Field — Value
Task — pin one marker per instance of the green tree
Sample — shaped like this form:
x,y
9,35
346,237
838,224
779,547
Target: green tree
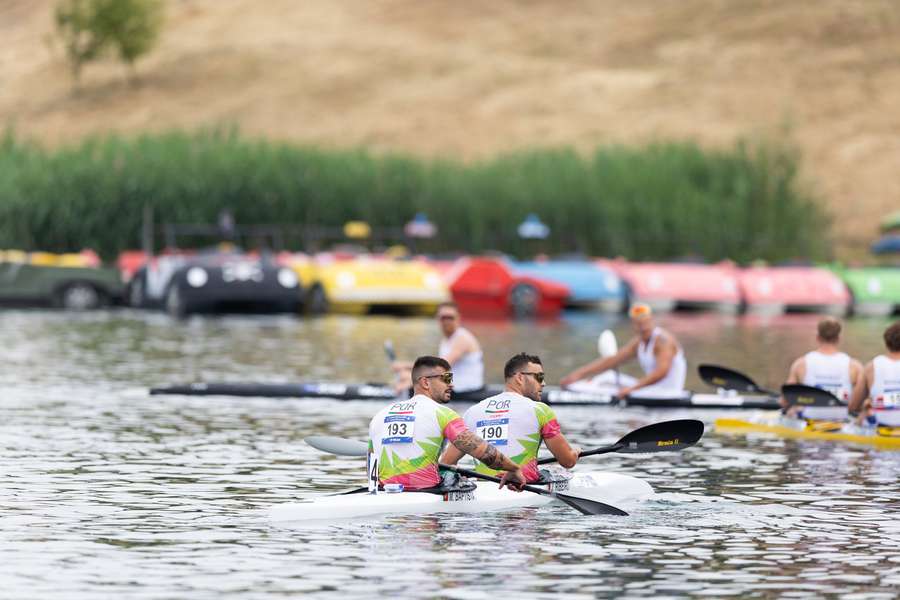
x,y
75,23
89,28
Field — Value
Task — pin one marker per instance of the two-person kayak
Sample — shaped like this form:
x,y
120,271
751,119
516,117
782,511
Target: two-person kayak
x,y
598,396
783,426
612,488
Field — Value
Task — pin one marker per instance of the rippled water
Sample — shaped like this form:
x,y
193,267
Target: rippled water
x,y
108,492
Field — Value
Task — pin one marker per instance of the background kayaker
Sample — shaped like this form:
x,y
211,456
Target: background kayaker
x,y
656,350
459,347
517,421
826,368
405,437
877,394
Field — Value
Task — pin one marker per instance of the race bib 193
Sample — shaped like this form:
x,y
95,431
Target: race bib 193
x,y
398,429
494,431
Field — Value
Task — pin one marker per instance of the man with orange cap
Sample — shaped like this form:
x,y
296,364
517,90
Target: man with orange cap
x,y
656,350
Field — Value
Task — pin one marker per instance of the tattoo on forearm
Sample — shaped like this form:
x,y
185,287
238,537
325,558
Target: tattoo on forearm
x,y
492,457
467,442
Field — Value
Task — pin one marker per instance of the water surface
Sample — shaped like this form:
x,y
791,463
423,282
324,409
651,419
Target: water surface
x,y
108,492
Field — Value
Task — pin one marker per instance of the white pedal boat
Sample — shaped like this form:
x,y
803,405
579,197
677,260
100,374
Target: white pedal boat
x,y
610,488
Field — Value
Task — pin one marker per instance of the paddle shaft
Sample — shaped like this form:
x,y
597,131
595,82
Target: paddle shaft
x,y
603,450
585,506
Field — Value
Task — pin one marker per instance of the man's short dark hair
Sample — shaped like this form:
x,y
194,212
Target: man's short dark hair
x,y
892,337
829,330
518,362
425,363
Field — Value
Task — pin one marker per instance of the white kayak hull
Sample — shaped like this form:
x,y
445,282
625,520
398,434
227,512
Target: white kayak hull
x,y
610,488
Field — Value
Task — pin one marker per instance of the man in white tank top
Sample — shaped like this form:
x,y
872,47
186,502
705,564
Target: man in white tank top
x,y
827,368
656,350
459,347
516,421
877,394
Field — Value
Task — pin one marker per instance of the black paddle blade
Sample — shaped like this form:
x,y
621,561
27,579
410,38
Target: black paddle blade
x,y
722,377
798,394
589,507
662,437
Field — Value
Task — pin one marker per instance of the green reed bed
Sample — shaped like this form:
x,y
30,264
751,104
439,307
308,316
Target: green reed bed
x,y
650,202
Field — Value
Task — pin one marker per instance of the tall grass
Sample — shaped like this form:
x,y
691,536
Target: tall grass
x,y
651,202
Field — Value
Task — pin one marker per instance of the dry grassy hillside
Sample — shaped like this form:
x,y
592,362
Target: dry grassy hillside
x,y
474,78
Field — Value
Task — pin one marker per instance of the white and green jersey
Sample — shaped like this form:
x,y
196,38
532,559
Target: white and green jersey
x,y
405,441
516,425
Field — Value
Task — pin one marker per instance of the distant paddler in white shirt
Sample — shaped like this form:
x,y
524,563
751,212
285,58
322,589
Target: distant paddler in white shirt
x,y
516,421
656,350
459,347
827,368
877,394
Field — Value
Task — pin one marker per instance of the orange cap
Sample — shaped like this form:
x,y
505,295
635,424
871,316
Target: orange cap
x,y
639,309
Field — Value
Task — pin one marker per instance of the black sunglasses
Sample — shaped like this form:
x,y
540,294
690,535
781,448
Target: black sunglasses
x,y
539,377
445,377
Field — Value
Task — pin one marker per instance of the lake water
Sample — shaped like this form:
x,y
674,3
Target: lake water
x,y
110,493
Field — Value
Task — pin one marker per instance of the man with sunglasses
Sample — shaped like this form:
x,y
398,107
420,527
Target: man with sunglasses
x,y
517,421
405,438
460,348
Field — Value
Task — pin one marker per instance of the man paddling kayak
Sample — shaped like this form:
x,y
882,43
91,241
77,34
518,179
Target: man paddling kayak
x,y
877,394
517,421
656,350
405,438
459,347
827,368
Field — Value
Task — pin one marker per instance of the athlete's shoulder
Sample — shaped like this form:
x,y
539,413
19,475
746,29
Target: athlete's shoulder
x,y
543,409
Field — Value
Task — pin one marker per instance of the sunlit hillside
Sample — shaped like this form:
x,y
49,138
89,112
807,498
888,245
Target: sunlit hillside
x,y
474,78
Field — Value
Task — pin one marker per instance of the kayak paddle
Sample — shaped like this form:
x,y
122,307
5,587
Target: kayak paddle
x,y
583,505
667,436
797,394
389,350
607,346
339,446
729,379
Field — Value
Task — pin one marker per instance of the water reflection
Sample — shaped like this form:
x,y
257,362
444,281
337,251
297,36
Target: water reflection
x,y
108,492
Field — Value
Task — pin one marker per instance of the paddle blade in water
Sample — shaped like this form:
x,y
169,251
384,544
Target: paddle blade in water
x,y
339,446
589,507
805,395
662,437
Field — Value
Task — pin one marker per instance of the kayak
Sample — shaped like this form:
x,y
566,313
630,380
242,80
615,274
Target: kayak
x,y
611,488
798,428
552,395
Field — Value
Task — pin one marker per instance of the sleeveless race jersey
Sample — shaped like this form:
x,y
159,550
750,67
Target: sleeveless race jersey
x,y
885,391
830,372
515,425
405,441
674,379
468,371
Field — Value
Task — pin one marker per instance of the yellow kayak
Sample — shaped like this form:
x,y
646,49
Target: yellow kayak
x,y
801,431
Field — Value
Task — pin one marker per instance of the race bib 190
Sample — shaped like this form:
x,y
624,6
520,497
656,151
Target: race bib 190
x,y
494,431
398,429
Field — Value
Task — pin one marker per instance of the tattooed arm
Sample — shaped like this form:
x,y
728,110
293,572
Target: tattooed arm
x,y
469,443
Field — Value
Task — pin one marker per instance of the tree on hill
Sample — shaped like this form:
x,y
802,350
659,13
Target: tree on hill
x,y
91,28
